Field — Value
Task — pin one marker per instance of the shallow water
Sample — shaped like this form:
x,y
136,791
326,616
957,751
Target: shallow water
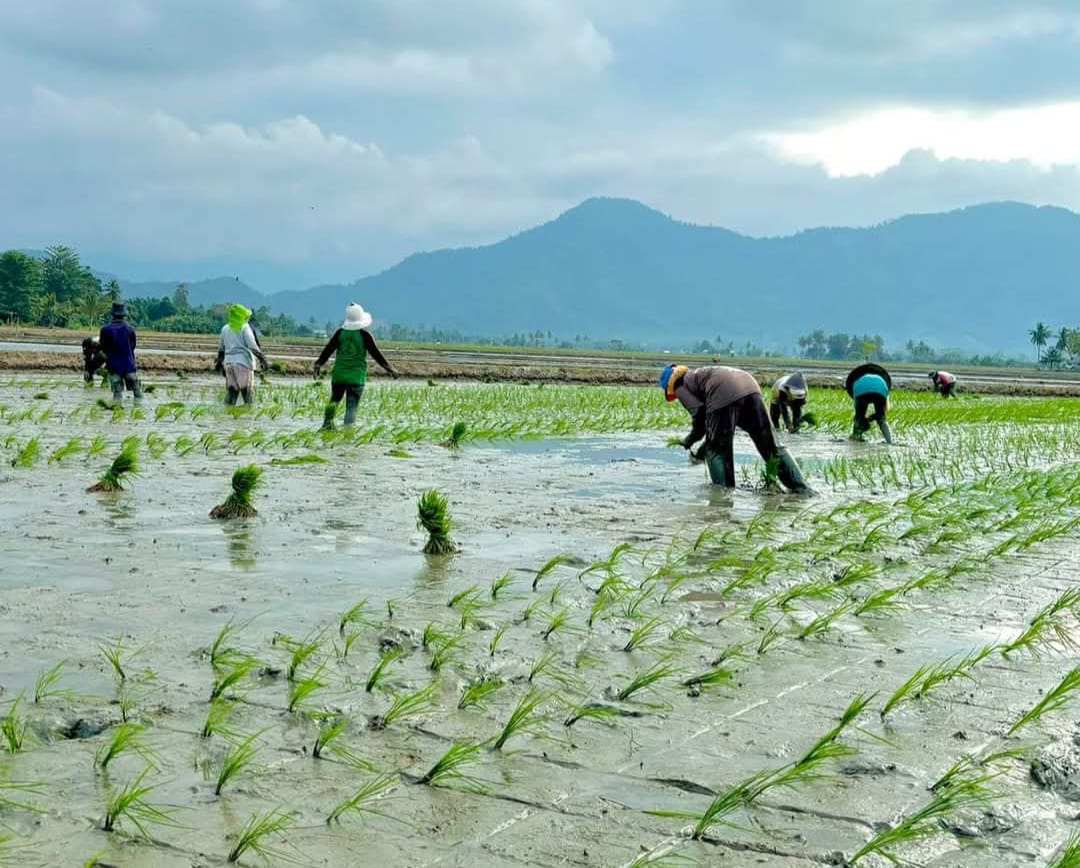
x,y
147,564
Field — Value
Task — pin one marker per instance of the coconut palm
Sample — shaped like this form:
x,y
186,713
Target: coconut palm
x,y
1039,337
1053,358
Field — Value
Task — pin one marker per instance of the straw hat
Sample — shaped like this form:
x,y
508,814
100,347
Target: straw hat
x,y
356,318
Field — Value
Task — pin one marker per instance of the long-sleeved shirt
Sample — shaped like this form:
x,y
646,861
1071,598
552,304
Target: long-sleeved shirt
x,y
118,342
238,348
710,389
370,347
944,378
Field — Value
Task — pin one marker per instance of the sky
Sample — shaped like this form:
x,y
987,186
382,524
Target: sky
x,y
295,142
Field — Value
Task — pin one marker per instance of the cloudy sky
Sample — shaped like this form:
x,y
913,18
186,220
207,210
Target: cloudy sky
x,y
297,141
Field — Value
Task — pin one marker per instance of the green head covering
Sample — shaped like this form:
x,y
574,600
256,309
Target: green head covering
x,y
238,317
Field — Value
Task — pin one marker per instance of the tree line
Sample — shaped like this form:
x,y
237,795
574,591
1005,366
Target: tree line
x,y
1054,349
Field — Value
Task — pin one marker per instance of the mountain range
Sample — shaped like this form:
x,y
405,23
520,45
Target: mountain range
x,y
975,278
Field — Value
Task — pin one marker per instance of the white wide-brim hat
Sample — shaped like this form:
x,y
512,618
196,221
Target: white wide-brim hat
x,y
356,318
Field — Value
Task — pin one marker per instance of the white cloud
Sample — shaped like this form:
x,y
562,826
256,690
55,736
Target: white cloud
x,y
869,143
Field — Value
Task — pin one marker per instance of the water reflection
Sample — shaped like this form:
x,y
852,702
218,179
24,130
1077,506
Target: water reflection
x,y
241,545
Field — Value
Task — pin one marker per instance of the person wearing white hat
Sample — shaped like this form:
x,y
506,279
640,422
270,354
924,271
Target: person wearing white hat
x,y
352,343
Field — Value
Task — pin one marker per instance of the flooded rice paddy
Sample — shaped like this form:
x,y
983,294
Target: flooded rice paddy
x,y
621,665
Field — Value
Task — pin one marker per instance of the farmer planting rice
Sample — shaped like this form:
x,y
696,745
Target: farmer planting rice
x,y
789,394
719,400
237,351
117,341
944,383
869,385
93,358
352,343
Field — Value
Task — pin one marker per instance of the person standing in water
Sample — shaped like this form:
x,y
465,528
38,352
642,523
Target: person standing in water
x,y
719,400
789,393
352,343
117,341
944,383
237,351
869,385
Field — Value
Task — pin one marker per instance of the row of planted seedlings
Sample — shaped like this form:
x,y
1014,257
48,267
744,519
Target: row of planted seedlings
x,y
577,634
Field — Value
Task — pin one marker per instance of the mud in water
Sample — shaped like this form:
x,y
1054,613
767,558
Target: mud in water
x,y
146,571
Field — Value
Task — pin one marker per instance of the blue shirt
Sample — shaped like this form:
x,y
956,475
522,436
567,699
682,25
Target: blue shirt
x,y
118,342
870,384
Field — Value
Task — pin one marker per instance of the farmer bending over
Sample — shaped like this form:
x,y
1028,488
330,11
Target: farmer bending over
x,y
788,393
117,341
237,351
719,400
944,383
869,385
93,358
352,343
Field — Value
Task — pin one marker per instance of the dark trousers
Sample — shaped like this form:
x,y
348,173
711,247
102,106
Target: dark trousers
x,y
948,391
864,403
778,410
351,393
751,416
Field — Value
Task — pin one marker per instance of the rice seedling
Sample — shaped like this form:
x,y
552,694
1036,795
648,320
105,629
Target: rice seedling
x,y
927,821
643,633
362,800
355,615
14,793
448,771
736,797
500,584
1050,626
771,636
97,445
28,455
558,621
457,434
406,705
232,677
599,712
114,656
301,653
535,606
156,445
496,638
526,719
1054,699
245,481
477,694
1068,855
220,652
259,828
717,676
217,719
13,728
184,445
462,597
47,685
302,689
433,516
446,651
378,675
647,679
432,635
548,665
238,758
823,622
972,762
124,465
130,803
126,738
548,568
72,447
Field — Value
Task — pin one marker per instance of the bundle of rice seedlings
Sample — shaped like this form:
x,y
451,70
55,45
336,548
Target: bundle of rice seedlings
x,y
433,516
457,434
245,481
125,464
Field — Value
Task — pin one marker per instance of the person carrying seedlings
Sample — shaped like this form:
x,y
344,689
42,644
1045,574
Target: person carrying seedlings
x,y
117,341
944,383
352,343
788,394
93,358
237,351
719,400
869,386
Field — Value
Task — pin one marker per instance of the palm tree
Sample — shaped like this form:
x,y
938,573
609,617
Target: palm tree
x,y
1039,336
1052,358
1063,337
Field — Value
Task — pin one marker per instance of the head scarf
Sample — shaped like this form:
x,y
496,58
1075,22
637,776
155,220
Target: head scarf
x,y
670,377
238,317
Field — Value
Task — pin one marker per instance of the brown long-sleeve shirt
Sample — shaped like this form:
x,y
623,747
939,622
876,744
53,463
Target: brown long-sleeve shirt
x,y
707,390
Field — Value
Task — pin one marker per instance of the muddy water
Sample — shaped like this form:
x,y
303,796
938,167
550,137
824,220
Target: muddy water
x,y
148,565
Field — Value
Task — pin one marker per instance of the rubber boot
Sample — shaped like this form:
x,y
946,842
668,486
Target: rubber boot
x,y
328,417
856,434
789,473
231,394
717,470
886,431
248,396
